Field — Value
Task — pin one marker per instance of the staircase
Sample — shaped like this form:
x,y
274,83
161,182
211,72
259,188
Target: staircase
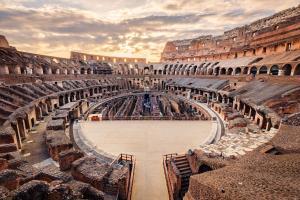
x,y
185,171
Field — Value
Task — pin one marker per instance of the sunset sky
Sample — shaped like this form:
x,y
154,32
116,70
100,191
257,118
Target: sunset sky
x,y
134,28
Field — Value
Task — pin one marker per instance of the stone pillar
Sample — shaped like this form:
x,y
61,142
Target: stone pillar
x,y
280,72
4,70
44,109
18,137
21,128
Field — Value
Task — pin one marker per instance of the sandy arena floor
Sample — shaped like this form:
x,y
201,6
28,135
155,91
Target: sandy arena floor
x,y
148,141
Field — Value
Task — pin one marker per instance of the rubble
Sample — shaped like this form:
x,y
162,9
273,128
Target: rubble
x,y
66,158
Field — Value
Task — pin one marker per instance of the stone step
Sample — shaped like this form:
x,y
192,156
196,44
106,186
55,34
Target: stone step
x,y
181,162
183,169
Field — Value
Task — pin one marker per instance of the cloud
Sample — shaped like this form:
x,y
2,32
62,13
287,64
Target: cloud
x,y
132,28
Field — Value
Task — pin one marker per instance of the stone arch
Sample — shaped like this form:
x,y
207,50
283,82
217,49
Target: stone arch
x,y
55,71
229,71
210,71
245,70
46,70
297,70
253,70
61,100
72,97
23,70
237,71
165,69
274,70
223,71
70,71
198,70
178,69
38,113
89,71
137,70
174,69
193,70
146,70
263,70
183,69
217,71
287,69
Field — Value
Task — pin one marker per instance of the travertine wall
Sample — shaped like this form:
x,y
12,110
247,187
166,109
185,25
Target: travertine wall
x,y
271,35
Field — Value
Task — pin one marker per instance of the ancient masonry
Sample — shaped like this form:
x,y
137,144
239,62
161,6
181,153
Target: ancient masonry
x,y
247,79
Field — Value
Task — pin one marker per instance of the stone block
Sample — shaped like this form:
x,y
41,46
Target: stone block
x,y
66,158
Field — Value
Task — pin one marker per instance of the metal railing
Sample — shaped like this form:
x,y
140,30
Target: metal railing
x,y
166,159
130,159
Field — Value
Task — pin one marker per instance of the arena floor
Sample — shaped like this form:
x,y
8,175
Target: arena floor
x,y
148,141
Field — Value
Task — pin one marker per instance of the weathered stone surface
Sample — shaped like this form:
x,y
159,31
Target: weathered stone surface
x,y
5,148
37,190
3,164
88,170
237,122
52,173
57,142
85,191
66,158
58,124
4,192
60,191
9,179
6,137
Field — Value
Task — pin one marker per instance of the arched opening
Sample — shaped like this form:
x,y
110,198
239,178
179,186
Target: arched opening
x,y
217,71
38,113
223,71
297,70
229,71
89,71
61,100
45,70
263,70
32,122
210,71
287,69
72,97
274,70
237,71
23,70
146,70
258,122
66,98
55,71
253,70
204,168
245,70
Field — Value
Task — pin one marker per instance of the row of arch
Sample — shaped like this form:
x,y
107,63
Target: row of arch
x,y
214,69
211,96
44,70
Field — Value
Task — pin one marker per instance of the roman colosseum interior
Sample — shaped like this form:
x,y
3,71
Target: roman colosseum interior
x,y
239,92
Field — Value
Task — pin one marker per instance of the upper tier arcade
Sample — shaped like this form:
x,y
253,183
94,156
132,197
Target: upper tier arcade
x,y
267,36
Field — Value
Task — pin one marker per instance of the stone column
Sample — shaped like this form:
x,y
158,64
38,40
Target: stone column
x,y
280,72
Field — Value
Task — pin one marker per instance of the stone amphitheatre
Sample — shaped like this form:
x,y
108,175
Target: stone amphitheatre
x,y
217,118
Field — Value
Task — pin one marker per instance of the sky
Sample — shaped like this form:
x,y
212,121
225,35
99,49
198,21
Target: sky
x,y
133,28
